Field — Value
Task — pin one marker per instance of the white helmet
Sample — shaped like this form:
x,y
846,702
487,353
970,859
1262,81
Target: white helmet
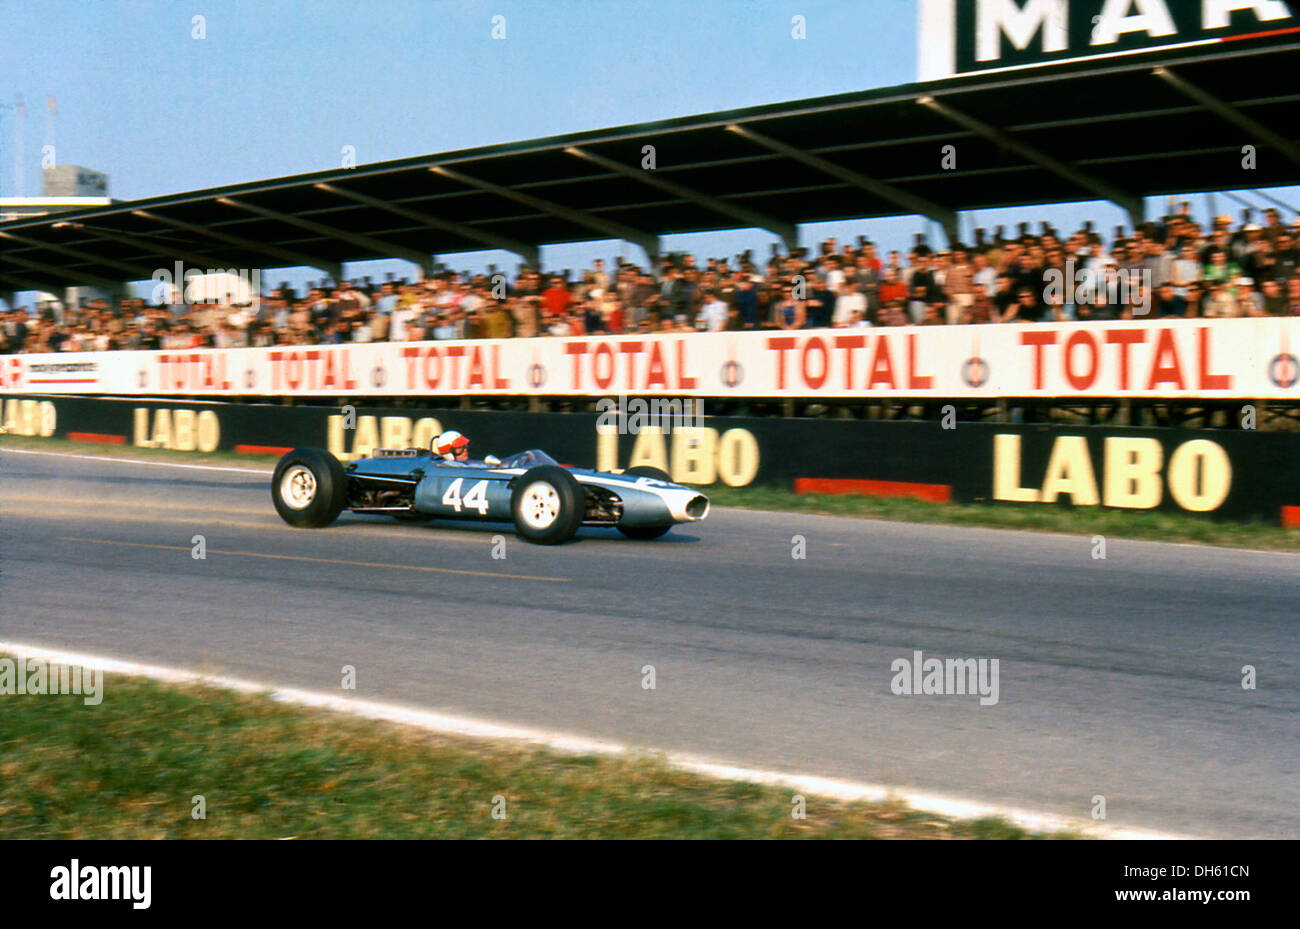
x,y
449,444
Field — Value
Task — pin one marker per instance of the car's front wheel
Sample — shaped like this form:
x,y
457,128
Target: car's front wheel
x,y
547,505
309,488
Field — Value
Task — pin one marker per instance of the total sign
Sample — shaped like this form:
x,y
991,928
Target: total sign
x,y
972,36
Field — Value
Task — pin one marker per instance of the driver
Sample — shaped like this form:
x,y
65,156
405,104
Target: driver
x,y
451,446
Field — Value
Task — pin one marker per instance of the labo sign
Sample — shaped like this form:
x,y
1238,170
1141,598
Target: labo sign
x,y
182,430
966,36
1133,473
690,455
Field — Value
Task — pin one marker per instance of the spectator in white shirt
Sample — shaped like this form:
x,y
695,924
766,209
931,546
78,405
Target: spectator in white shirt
x,y
849,301
984,274
401,320
1186,270
832,274
713,314
388,300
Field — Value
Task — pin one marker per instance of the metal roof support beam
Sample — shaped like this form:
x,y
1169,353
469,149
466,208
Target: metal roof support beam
x,y
137,272
379,246
941,215
1130,203
204,262
529,253
294,259
785,231
1275,201
1227,111
1244,202
77,278
24,283
608,227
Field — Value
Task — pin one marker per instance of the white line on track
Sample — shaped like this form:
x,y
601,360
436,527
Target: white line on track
x,y
139,461
445,724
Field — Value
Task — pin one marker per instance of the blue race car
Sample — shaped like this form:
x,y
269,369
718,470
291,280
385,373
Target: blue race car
x,y
546,502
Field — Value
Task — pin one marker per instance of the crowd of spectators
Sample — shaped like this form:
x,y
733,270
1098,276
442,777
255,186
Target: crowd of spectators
x,y
1171,268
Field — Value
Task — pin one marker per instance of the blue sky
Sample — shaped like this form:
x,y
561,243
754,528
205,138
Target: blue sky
x,y
277,88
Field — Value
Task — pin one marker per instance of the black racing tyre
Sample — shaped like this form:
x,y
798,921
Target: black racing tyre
x,y
645,533
309,488
547,504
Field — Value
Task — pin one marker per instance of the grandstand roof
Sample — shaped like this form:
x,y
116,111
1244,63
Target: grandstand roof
x,y
1118,129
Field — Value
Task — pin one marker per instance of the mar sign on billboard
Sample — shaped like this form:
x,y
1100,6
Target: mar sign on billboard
x,y
958,37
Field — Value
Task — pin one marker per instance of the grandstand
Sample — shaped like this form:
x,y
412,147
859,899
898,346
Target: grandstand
x,y
1125,128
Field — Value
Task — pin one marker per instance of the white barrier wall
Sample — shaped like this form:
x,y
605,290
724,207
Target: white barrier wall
x,y
1248,358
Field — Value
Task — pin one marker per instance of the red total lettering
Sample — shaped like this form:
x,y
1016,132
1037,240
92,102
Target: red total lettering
x,y
1038,340
499,382
848,343
411,355
477,378
812,381
631,350
312,356
432,378
1162,371
656,374
349,381
1210,381
1081,381
780,345
603,359
882,365
293,369
455,352
1125,339
684,381
915,381
577,350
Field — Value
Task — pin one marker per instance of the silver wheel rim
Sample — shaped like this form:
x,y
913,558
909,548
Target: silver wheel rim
x,y
298,487
540,506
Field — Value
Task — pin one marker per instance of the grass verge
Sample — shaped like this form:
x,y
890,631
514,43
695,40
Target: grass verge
x,y
132,767
1160,526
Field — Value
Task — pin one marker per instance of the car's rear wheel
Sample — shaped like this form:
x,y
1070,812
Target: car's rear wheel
x,y
547,505
309,488
645,533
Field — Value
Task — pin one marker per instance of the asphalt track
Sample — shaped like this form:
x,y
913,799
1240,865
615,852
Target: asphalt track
x,y
1118,677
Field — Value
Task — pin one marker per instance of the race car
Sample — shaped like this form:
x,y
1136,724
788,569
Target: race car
x,y
546,502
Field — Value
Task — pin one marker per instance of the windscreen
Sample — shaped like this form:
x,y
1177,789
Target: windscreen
x,y
528,459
